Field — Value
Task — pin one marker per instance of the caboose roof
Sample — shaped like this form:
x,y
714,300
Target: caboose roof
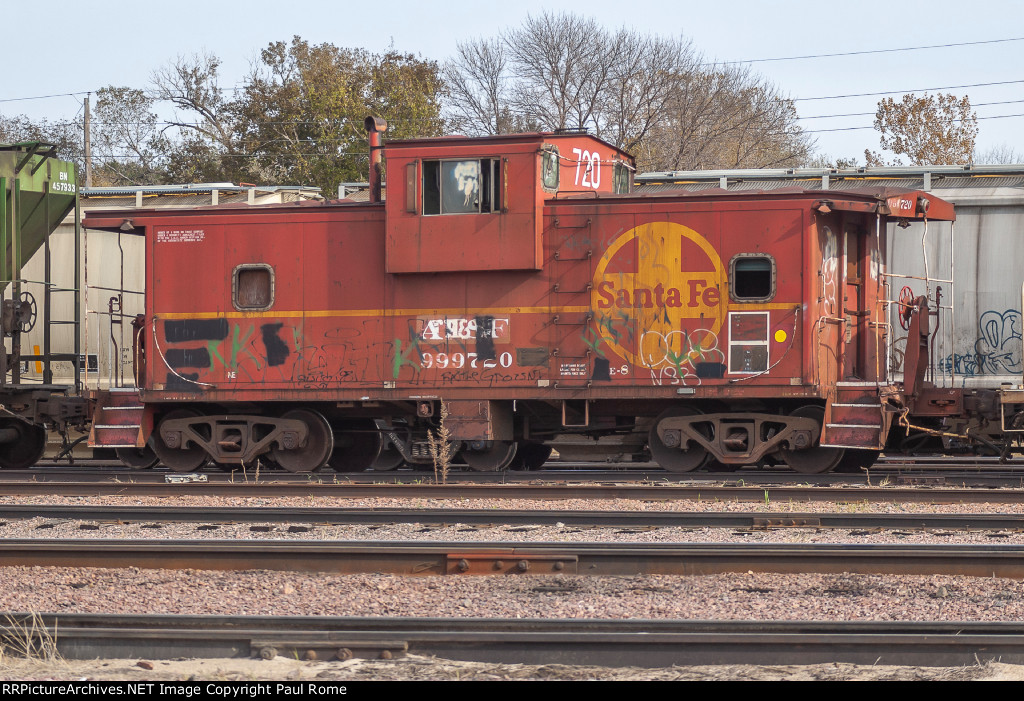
x,y
867,199
897,202
497,140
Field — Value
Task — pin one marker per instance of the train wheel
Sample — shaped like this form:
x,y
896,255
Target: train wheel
x,y
357,447
672,458
176,459
816,459
23,444
530,455
318,446
137,458
390,456
389,459
857,460
496,456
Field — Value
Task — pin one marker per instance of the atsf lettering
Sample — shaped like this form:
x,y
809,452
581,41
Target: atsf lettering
x,y
459,329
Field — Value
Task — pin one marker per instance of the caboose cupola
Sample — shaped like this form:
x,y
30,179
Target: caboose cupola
x,y
460,205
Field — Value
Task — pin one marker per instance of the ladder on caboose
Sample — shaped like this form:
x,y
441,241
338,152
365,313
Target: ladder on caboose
x,y
117,420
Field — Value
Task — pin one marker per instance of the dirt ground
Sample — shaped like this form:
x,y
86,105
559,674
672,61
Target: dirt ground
x,y
415,668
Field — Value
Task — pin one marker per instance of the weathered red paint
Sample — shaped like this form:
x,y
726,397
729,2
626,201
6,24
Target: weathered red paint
x,y
567,292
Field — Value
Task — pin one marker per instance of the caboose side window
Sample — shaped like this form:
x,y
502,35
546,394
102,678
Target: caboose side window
x,y
252,287
549,167
620,179
410,187
461,187
752,277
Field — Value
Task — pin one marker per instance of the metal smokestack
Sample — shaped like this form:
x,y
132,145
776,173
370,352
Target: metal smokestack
x,y
375,127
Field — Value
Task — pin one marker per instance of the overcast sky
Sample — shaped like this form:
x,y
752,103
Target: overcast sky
x,y
75,47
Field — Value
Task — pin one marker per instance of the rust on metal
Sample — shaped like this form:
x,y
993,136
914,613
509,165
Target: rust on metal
x,y
763,522
413,559
511,562
326,646
374,128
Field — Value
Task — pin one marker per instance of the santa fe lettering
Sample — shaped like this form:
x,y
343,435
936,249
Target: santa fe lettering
x,y
660,296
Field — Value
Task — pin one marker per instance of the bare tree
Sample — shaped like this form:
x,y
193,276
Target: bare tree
x,y
1003,154
191,84
644,76
128,143
562,65
478,85
725,117
824,160
645,93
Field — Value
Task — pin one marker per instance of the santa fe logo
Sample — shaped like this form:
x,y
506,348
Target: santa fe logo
x,y
659,287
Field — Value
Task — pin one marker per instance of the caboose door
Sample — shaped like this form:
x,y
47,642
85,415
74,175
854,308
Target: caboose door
x,y
856,313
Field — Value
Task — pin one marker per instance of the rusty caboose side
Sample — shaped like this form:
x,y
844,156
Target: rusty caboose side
x,y
515,285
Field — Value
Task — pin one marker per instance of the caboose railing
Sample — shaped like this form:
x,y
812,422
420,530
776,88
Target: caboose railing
x,y
943,332
114,344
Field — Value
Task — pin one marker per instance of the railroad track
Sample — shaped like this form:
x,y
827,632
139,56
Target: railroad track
x,y
125,515
929,494
902,474
504,557
612,643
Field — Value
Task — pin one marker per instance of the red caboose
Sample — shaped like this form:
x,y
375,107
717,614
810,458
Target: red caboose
x,y
514,284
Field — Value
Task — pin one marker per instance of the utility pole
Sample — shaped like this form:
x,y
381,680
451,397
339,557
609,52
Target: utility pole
x,y
88,145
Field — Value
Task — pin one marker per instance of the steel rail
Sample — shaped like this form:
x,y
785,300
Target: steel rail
x,y
897,474
895,460
433,558
651,492
613,643
486,517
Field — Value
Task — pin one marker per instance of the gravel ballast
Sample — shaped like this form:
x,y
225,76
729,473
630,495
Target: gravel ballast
x,y
729,596
745,596
754,596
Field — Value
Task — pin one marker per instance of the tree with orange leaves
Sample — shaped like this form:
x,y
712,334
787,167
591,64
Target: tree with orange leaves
x,y
929,130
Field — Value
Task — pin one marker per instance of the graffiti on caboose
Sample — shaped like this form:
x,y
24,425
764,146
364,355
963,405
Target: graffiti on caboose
x,y
658,302
679,357
829,271
203,344
205,350
334,359
956,364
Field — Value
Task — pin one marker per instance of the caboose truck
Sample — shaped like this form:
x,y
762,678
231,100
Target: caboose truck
x,y
517,280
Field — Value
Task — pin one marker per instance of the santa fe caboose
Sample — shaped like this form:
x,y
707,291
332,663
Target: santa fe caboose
x,y
514,284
